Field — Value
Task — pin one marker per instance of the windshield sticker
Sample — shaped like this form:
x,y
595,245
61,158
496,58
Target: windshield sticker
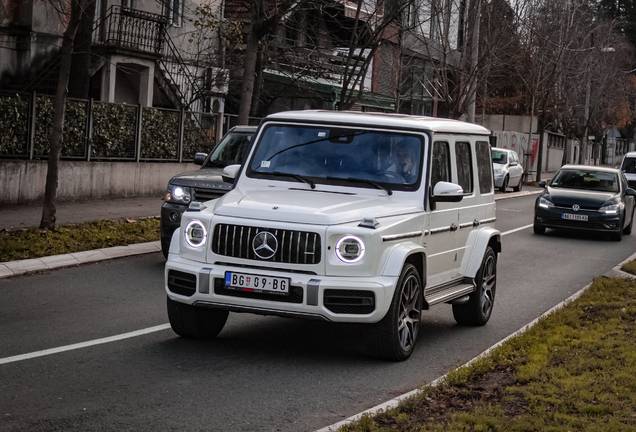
x,y
265,164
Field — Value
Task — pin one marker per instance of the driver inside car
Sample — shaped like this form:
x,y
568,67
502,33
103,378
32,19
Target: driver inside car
x,y
406,162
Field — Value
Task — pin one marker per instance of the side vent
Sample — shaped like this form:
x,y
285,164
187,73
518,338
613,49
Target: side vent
x,y
349,301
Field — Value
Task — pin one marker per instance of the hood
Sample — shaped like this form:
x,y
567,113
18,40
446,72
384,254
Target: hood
x,y
310,206
584,198
208,178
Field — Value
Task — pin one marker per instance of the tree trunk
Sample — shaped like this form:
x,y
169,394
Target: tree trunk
x,y
249,70
79,86
50,191
258,85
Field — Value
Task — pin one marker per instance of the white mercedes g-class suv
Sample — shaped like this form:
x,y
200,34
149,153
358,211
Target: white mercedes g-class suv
x,y
344,217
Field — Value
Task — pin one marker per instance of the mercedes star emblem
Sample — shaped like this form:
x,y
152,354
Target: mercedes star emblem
x,y
265,245
576,207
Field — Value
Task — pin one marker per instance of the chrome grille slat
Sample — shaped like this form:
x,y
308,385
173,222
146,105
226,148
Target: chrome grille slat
x,y
294,247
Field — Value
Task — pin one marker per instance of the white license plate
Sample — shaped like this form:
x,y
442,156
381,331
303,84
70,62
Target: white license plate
x,y
577,217
256,283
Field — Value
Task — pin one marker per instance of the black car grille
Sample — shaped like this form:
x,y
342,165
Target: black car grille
x,y
295,293
349,301
294,247
181,283
204,194
582,224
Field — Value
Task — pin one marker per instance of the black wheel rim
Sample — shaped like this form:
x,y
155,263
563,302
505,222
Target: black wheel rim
x,y
488,280
410,312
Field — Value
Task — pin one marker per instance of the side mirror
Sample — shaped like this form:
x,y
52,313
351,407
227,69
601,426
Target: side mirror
x,y
542,183
513,164
447,192
230,172
199,158
630,191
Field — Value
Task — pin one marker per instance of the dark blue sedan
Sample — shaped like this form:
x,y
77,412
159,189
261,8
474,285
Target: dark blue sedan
x,y
590,198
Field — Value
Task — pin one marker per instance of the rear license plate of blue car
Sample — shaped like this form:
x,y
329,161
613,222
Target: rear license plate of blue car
x,y
578,217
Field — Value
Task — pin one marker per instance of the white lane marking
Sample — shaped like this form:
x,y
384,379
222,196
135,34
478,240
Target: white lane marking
x,y
123,336
516,229
84,344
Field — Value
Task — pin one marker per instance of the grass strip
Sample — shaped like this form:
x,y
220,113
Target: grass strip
x,y
34,243
573,371
629,267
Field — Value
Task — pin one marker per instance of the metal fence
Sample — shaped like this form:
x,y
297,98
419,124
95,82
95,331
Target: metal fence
x,y
103,131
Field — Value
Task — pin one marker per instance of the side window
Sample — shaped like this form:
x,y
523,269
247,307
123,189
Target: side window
x,y
440,167
484,167
464,166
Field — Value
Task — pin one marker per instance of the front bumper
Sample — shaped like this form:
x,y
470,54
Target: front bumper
x,y
170,219
329,298
596,221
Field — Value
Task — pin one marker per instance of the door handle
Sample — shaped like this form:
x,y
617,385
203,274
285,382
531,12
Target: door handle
x,y
454,227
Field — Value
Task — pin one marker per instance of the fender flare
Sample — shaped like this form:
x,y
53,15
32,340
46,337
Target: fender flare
x,y
398,255
486,236
175,245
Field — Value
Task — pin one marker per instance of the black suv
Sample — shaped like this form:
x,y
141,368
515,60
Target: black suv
x,y
204,184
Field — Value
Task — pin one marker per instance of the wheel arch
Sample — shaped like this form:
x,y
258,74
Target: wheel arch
x,y
404,253
485,238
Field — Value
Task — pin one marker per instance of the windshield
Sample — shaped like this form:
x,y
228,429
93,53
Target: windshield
x,y
231,150
629,166
499,157
332,155
584,179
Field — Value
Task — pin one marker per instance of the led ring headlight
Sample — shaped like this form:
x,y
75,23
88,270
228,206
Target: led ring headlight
x,y
350,249
195,233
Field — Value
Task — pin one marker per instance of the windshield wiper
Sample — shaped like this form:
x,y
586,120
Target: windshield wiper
x,y
371,182
296,176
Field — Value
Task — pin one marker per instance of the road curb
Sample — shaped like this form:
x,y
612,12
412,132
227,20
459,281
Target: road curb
x,y
16,268
393,403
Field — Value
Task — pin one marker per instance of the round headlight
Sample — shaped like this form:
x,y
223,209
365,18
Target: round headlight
x,y
350,249
195,233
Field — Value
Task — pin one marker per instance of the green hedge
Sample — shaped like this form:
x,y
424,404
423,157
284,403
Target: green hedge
x,y
114,130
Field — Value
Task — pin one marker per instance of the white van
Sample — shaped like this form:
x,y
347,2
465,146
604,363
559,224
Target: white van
x,y
628,166
344,217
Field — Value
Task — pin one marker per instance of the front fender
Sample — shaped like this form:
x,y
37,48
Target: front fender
x,y
174,243
396,257
483,237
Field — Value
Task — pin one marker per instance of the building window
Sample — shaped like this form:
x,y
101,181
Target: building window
x,y
127,3
174,12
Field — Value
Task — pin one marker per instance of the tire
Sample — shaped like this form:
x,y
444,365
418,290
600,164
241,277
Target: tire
x,y
165,247
519,186
504,185
538,229
628,229
195,322
478,309
396,334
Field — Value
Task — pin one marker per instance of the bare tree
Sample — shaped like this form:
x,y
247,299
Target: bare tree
x,y
77,8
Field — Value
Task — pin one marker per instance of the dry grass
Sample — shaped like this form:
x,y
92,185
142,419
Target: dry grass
x,y
33,243
574,371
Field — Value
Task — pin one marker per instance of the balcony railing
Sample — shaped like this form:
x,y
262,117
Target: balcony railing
x,y
131,29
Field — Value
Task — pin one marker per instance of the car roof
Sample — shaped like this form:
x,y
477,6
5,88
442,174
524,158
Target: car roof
x,y
433,124
244,128
503,150
591,168
630,154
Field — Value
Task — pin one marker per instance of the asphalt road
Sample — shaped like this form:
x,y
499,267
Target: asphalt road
x,y
261,373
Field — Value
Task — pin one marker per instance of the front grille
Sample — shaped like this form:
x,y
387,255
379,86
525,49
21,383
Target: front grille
x,y
295,293
204,194
582,224
181,283
294,247
349,301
